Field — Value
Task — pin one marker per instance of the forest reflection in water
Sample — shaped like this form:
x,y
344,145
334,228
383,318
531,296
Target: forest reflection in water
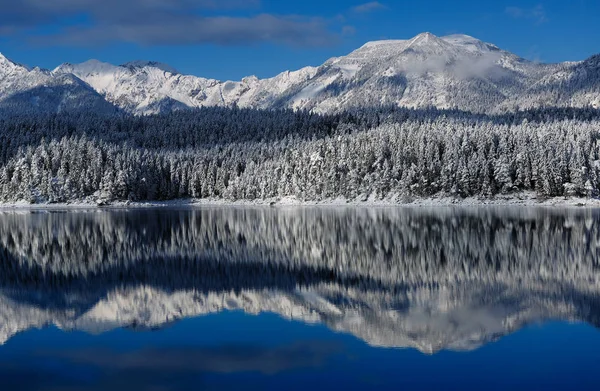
x,y
429,279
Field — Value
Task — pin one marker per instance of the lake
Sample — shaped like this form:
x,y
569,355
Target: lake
x,y
300,297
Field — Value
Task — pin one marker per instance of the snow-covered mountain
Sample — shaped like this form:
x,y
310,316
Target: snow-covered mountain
x,y
570,85
23,90
456,71
147,87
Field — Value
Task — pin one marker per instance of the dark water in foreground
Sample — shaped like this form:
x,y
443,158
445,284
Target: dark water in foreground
x,y
265,298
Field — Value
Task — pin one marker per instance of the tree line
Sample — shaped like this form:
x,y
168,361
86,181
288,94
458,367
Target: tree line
x,y
244,154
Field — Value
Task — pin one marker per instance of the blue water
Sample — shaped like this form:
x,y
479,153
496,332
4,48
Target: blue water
x,y
382,299
238,351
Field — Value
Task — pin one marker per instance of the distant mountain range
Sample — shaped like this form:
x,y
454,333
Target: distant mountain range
x,y
451,72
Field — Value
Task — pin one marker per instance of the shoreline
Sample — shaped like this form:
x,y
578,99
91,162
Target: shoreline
x,y
521,200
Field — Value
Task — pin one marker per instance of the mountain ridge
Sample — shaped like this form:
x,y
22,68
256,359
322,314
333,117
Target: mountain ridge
x,y
451,72
25,89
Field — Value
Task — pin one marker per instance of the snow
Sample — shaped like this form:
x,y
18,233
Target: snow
x,y
349,70
6,63
523,199
23,88
87,68
151,64
139,87
383,43
471,44
311,91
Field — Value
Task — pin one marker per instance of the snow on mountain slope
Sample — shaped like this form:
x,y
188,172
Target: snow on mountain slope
x,y
455,71
26,90
145,87
153,64
15,78
449,72
569,85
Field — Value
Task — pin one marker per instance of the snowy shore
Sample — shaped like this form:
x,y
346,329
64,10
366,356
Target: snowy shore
x,y
521,199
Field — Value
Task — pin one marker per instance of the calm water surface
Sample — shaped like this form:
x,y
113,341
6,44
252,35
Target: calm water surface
x,y
297,298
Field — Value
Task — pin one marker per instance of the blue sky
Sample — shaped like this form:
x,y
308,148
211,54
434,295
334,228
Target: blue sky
x,y
229,39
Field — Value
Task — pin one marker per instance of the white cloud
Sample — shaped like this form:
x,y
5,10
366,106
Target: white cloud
x,y
537,13
369,7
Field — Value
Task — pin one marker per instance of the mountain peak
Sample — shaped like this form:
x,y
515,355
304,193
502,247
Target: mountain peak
x,y
91,67
5,61
425,38
150,64
425,35
4,58
428,43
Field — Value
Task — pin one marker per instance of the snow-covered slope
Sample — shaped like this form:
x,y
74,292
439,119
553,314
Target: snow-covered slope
x,y
450,72
147,87
456,71
570,85
23,90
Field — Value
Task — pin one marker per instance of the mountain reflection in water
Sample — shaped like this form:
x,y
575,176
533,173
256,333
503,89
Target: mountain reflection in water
x,y
429,279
